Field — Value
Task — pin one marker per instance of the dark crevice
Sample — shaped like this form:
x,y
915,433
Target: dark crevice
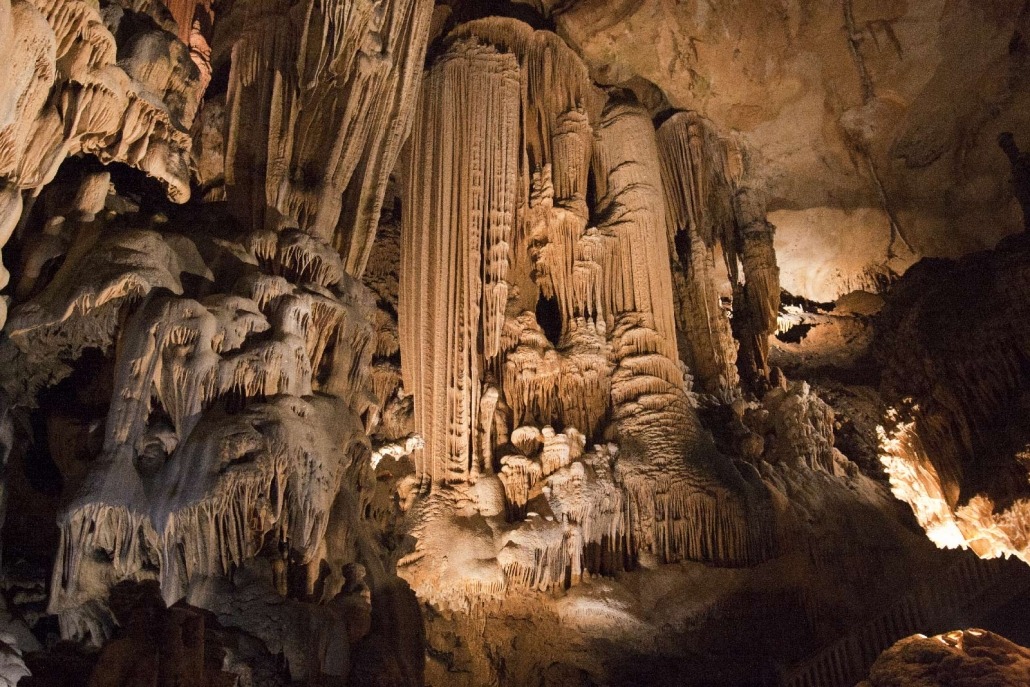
x,y
463,11
548,316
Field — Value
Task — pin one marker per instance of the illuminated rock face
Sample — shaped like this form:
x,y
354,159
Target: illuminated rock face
x,y
957,350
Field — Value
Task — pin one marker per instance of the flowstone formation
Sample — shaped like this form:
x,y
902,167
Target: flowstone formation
x,y
372,342
236,438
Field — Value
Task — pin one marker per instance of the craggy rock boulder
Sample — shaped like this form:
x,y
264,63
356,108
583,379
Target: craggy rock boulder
x,y
956,659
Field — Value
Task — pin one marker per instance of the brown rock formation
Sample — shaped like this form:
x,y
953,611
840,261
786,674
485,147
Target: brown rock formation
x,y
558,303
962,657
67,95
317,111
953,345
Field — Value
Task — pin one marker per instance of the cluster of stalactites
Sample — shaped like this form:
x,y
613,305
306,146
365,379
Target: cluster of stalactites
x,y
697,181
598,277
207,508
710,206
558,109
114,111
64,94
236,415
543,385
453,325
678,521
699,217
321,95
559,104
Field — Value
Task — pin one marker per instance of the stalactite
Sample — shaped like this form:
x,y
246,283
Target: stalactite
x,y
317,111
65,94
757,300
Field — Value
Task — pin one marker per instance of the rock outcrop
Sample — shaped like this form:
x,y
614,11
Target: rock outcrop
x,y
954,351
